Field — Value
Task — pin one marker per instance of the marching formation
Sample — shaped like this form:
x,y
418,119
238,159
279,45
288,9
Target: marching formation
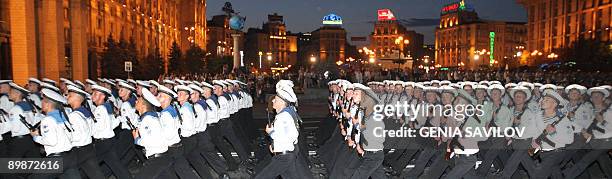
x,y
169,129
566,131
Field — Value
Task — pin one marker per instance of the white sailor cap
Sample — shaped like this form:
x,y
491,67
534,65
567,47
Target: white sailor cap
x,y
523,89
531,86
153,83
229,81
108,82
78,91
284,89
608,87
178,88
101,89
120,80
480,87
179,81
431,89
81,85
49,86
560,88
68,82
219,83
168,91
207,85
53,96
448,89
409,83
149,97
126,86
367,90
64,80
5,81
599,89
465,95
494,82
334,82
143,83
131,81
17,87
537,85
47,80
240,82
547,86
34,80
170,82
90,82
510,85
197,83
496,86
419,85
455,85
197,88
484,82
445,82
553,94
580,88
427,83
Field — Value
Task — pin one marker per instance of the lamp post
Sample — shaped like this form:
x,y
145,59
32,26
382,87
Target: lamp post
x,y
400,41
260,54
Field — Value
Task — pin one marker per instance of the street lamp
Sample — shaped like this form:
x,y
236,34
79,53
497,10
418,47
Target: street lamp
x,y
312,59
260,54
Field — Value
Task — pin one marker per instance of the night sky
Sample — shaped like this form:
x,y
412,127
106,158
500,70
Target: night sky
x,y
359,15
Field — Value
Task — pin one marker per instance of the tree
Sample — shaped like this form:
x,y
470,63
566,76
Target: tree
x,y
588,54
194,59
151,66
215,65
174,59
112,65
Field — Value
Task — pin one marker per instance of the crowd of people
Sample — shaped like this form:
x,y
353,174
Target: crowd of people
x,y
567,129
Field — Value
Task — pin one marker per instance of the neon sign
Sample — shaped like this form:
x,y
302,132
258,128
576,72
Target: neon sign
x,y
385,15
458,6
332,19
491,46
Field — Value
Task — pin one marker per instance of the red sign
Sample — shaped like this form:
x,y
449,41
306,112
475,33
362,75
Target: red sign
x,y
452,7
385,15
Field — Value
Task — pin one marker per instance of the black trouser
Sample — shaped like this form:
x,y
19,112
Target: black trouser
x,y
409,147
181,165
125,147
238,123
207,150
326,129
229,133
157,167
598,153
341,168
519,157
70,168
370,166
105,152
439,163
23,147
421,162
87,161
192,154
497,150
223,147
283,165
463,167
551,164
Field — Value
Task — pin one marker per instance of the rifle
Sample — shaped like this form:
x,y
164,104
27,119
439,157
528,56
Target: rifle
x,y
543,138
492,123
454,143
519,116
593,125
28,125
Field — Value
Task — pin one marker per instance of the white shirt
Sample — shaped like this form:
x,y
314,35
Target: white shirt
x,y
150,132
605,125
5,103
169,126
103,127
53,136
81,136
284,133
234,103
15,113
528,122
128,113
5,125
562,136
200,117
224,111
188,125
35,99
212,114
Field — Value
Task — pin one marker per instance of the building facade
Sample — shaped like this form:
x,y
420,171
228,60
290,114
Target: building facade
x,y
56,39
554,24
395,45
220,42
466,41
277,46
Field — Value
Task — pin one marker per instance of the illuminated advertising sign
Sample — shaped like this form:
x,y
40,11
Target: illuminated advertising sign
x,y
332,19
492,46
458,6
385,15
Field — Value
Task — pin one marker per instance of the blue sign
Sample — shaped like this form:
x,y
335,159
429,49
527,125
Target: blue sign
x,y
332,19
